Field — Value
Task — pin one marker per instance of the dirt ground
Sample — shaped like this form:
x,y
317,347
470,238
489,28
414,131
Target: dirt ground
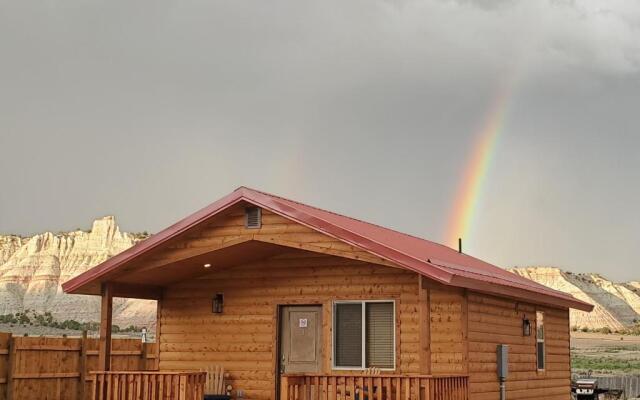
x,y
608,354
587,340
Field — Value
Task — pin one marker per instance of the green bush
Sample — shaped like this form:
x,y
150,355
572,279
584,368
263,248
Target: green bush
x,y
32,318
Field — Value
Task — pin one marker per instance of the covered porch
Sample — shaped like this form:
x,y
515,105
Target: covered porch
x,y
329,384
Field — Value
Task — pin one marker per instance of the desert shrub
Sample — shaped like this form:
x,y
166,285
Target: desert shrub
x,y
604,364
8,319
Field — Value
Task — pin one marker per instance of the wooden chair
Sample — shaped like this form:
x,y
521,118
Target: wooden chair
x,y
372,371
215,383
364,393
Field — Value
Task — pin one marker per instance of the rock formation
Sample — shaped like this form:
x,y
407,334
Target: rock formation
x,y
617,305
32,270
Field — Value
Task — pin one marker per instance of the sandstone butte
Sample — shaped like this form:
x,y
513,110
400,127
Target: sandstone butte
x,y
32,270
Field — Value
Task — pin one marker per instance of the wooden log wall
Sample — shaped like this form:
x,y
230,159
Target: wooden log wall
x,y
243,338
494,321
447,331
53,368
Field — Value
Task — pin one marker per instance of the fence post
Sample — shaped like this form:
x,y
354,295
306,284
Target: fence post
x,y
83,366
10,366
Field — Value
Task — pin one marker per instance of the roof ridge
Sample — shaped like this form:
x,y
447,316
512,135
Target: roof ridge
x,y
276,197
348,217
369,223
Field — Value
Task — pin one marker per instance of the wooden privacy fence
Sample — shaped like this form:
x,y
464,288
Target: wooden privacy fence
x,y
46,368
148,385
376,387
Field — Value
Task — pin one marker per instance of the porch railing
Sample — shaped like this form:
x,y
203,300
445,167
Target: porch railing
x,y
373,387
143,385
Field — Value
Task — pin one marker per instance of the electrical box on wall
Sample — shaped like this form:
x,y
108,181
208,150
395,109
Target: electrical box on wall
x,y
503,361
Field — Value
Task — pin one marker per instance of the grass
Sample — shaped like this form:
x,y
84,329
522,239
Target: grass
x,y
604,364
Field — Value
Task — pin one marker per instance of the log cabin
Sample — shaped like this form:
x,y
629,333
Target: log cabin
x,y
299,302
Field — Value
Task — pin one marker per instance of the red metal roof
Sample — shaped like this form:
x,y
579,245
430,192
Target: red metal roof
x,y
430,259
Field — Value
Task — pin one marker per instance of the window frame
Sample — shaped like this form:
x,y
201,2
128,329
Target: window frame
x,y
363,365
540,324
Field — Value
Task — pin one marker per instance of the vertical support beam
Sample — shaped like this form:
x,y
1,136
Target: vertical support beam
x,y
158,331
465,331
424,311
106,314
275,354
83,366
11,362
327,336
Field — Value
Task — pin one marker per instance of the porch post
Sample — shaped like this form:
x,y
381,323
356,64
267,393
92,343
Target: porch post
x,y
106,311
424,316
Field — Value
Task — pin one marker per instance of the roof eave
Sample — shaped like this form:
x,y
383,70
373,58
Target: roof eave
x,y
529,296
74,285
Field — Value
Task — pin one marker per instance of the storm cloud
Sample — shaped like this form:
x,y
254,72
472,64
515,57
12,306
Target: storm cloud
x,y
151,109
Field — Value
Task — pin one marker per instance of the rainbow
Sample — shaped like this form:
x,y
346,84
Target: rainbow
x,y
470,190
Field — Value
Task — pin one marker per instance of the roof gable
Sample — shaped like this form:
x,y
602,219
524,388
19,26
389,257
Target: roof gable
x,y
429,259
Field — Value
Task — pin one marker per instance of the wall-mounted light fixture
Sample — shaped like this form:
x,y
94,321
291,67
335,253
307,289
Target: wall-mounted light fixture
x,y
218,303
526,326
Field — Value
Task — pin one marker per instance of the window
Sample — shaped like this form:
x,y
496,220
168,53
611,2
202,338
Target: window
x,y
540,340
364,334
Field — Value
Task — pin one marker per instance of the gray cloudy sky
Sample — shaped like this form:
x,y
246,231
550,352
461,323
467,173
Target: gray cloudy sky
x,y
151,109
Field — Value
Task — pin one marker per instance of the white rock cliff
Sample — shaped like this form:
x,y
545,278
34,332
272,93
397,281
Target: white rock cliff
x,y
32,270
617,305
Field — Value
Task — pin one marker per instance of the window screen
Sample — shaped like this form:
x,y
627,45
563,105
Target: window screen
x,y
379,328
348,335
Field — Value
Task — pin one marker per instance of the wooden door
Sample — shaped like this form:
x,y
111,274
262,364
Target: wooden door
x,y
301,339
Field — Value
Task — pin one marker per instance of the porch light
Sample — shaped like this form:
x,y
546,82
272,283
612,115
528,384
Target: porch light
x,y
526,326
218,302
207,265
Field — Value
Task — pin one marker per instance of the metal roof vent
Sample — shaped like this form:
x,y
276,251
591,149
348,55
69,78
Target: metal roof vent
x,y
253,217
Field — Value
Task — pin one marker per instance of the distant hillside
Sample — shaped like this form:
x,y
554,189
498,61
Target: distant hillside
x,y
33,268
617,305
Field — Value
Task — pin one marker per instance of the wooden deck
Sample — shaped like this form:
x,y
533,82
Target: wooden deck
x,y
373,387
141,385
